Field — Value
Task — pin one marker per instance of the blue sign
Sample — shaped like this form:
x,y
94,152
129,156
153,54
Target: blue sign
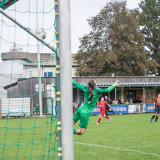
x,y
149,107
96,110
120,108
116,108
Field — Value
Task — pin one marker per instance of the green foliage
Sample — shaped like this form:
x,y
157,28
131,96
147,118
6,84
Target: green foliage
x,y
115,140
149,14
115,44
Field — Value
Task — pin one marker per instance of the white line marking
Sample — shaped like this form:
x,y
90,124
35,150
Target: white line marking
x,y
122,149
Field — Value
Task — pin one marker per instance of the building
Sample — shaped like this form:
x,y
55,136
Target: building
x,y
10,72
146,88
26,84
28,87
30,63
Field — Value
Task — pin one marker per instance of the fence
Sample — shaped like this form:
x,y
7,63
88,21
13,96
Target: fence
x,y
15,107
130,108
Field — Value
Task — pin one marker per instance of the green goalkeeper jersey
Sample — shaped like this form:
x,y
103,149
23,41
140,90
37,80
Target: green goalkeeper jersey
x,y
89,106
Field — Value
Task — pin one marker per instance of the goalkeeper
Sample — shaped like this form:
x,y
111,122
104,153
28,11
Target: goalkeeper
x,y
91,95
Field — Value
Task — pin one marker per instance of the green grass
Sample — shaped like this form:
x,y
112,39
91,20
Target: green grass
x,y
127,137
32,135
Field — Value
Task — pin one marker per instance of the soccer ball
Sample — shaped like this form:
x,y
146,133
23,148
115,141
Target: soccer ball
x,y
41,33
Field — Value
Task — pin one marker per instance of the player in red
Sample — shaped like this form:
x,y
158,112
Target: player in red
x,y
102,104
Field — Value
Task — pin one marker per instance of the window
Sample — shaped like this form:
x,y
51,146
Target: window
x,y
37,88
45,74
49,90
48,74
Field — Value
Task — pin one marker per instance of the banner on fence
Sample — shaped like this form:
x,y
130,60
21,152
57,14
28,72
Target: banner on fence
x,y
149,108
120,108
131,108
136,108
96,110
116,108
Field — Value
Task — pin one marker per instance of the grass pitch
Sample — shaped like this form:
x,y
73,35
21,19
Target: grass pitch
x,y
27,138
126,137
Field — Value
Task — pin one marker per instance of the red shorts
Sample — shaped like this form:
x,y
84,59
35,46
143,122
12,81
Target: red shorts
x,y
102,109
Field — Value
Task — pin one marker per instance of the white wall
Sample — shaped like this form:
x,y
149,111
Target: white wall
x,y
73,71
51,93
15,107
7,79
34,71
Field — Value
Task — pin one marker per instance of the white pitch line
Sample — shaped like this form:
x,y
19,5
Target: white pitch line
x,y
122,149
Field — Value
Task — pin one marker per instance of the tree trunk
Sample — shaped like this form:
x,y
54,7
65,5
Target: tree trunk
x,y
158,71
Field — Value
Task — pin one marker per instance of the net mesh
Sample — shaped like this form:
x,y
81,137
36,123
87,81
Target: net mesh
x,y
29,135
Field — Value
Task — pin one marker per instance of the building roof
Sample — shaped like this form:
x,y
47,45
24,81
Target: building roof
x,y
125,81
10,85
29,79
47,59
132,84
7,79
29,57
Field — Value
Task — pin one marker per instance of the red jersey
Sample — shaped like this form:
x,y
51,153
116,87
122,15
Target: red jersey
x,y
102,104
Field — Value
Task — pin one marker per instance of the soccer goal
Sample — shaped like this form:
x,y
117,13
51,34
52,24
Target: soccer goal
x,y
36,80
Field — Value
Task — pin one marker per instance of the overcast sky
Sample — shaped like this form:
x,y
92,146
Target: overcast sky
x,y
81,10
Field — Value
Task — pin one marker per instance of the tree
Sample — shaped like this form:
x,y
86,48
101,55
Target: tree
x,y
114,45
149,15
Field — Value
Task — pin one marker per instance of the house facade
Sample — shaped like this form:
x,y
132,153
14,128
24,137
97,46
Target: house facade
x,y
30,63
10,72
146,88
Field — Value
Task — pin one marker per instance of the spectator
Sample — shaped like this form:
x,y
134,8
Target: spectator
x,y
75,105
130,100
126,102
120,101
114,102
136,100
108,100
139,99
82,101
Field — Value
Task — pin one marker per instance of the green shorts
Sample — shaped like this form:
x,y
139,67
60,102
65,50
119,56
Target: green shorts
x,y
83,115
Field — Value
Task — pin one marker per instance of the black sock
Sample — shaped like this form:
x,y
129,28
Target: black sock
x,y
153,117
156,118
